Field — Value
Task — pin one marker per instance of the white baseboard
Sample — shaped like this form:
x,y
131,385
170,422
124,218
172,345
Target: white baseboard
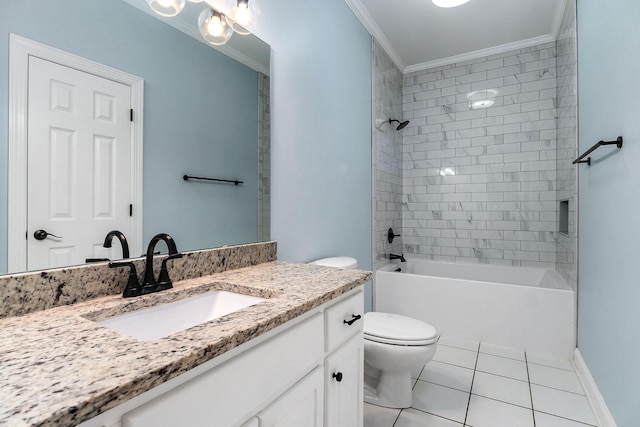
x,y
600,409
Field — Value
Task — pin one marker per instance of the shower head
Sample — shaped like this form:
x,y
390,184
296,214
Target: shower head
x,y
401,125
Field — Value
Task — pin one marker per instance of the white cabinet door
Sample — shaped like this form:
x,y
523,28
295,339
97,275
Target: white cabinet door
x,y
300,406
344,384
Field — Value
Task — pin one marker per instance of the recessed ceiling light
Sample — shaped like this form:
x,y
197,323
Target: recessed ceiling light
x,y
449,3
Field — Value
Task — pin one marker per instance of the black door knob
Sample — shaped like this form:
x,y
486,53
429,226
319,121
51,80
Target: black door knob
x,y
42,234
337,376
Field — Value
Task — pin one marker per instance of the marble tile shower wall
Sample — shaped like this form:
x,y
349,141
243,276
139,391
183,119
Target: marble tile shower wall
x,y
567,101
387,156
480,185
264,158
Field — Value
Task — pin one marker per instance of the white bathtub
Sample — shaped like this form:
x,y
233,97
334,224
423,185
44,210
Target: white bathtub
x,y
525,308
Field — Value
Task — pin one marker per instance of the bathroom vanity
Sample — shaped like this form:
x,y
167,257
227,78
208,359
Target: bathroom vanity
x,y
294,359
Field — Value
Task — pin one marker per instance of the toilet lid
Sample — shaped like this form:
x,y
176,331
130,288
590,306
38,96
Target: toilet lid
x,y
395,329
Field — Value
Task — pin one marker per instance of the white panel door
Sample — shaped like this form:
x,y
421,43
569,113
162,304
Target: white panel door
x,y
79,164
300,406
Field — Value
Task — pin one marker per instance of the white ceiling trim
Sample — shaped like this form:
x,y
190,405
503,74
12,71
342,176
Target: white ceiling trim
x,y
479,53
369,24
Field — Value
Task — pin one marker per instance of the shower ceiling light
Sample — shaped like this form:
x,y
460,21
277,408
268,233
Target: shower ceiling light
x,y
218,22
449,3
482,99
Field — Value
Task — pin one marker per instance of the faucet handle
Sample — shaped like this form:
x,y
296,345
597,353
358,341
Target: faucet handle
x,y
133,286
164,281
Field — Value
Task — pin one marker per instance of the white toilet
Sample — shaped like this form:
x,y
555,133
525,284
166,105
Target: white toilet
x,y
394,346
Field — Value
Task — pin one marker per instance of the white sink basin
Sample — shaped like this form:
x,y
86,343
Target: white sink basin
x,y
167,319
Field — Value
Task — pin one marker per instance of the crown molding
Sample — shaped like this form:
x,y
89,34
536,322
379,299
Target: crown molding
x,y
369,24
479,53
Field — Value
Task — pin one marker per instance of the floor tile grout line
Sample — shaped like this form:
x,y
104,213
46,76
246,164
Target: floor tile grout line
x,y
436,415
397,418
466,413
565,418
533,410
501,401
558,389
502,376
554,367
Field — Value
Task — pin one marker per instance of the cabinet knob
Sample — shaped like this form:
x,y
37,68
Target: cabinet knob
x,y
337,376
353,319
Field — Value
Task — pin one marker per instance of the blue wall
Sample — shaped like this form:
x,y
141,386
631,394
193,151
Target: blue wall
x,y
609,202
200,114
321,130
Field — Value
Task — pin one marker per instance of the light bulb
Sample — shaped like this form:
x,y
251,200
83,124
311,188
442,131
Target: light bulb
x,y
243,15
167,7
215,27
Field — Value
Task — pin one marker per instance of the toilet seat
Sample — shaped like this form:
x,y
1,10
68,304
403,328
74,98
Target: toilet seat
x,y
394,329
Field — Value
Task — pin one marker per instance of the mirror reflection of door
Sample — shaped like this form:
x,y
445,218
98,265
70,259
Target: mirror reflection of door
x,y
79,165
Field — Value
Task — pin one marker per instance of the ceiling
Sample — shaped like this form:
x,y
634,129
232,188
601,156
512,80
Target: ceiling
x,y
418,35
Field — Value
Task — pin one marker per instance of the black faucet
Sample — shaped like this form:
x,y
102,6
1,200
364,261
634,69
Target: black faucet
x,y
400,257
164,282
133,288
123,241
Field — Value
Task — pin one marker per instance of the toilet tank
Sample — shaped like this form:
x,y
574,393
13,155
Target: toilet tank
x,y
338,262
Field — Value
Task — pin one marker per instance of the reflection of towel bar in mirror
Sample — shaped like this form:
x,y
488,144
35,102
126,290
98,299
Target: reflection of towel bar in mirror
x,y
233,181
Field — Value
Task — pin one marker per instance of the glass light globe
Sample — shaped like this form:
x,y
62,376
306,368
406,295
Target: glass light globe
x,y
167,7
449,3
244,16
214,27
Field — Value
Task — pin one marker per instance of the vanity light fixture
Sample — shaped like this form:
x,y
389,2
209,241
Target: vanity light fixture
x,y
449,3
167,7
244,16
214,27
219,21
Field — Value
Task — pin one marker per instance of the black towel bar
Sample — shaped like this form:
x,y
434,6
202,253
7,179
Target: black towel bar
x,y
232,181
617,142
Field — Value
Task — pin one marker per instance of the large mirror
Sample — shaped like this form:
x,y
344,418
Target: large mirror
x,y
206,113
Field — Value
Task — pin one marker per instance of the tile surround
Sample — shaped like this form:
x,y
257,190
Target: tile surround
x,y
512,160
386,156
500,206
264,158
491,400
567,180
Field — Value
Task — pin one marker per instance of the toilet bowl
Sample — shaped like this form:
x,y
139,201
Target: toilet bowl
x,y
394,346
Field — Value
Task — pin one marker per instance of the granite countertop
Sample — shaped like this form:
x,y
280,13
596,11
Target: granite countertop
x,y
58,367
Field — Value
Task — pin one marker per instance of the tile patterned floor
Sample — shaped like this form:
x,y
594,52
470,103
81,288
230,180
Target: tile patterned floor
x,y
479,385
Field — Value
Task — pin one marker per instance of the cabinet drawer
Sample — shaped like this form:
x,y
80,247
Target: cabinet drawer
x,y
341,320
229,392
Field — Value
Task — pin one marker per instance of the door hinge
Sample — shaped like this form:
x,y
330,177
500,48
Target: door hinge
x,y
131,114
130,210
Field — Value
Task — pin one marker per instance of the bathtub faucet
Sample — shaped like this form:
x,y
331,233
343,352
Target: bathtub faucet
x,y
400,257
